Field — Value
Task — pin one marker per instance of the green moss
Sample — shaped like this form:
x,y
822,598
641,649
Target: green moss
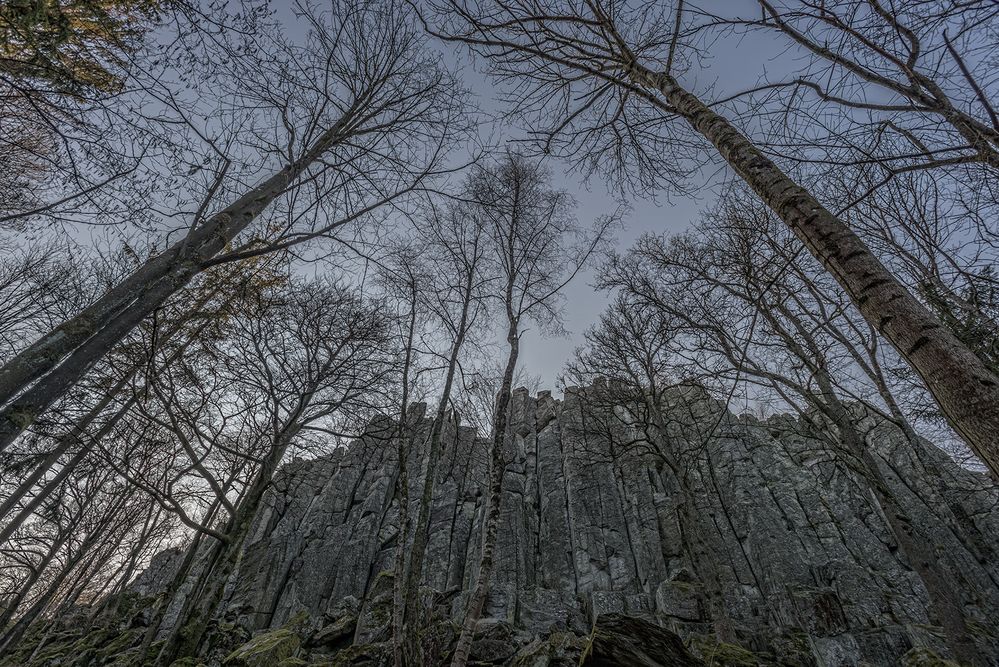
x,y
22,417
720,654
361,654
924,657
265,650
270,648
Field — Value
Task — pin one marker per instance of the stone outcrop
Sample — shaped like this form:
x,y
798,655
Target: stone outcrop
x,y
749,539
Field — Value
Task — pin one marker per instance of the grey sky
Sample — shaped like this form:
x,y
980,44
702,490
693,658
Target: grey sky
x,y
732,65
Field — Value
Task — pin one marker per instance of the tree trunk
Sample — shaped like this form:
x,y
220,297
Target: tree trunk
x,y
942,590
16,632
964,387
490,522
29,581
75,436
403,439
421,531
60,358
63,473
192,626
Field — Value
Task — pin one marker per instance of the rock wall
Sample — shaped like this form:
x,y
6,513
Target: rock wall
x,y
745,532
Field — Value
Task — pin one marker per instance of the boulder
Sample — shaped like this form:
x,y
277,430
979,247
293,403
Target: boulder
x,y
625,641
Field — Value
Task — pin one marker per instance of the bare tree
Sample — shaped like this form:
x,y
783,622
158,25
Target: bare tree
x,y
314,358
456,245
794,341
538,249
406,280
605,76
640,397
374,130
88,521
914,73
119,384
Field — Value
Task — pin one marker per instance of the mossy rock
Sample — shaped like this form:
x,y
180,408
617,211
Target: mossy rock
x,y
269,648
721,654
187,662
559,649
924,657
106,646
625,641
363,655
265,650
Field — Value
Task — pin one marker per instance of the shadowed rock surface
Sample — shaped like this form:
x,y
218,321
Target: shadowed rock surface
x,y
761,548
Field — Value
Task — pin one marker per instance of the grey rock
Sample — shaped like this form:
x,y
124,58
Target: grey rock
x,y
748,531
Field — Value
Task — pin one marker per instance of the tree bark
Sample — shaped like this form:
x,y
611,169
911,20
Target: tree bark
x,y
964,387
60,358
192,626
421,530
491,519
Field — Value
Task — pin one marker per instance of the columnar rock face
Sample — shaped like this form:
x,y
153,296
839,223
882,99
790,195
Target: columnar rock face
x,y
730,529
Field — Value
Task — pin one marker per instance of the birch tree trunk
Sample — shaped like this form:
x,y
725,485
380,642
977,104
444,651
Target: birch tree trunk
x,y
964,387
491,519
421,531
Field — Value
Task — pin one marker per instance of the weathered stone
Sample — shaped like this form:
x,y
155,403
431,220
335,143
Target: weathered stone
x,y
621,641
337,635
766,541
269,648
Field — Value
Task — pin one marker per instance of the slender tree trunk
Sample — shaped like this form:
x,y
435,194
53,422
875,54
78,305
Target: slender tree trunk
x,y
75,436
943,592
964,387
29,581
421,534
16,632
63,473
76,588
403,441
490,521
60,358
117,593
192,626
165,598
